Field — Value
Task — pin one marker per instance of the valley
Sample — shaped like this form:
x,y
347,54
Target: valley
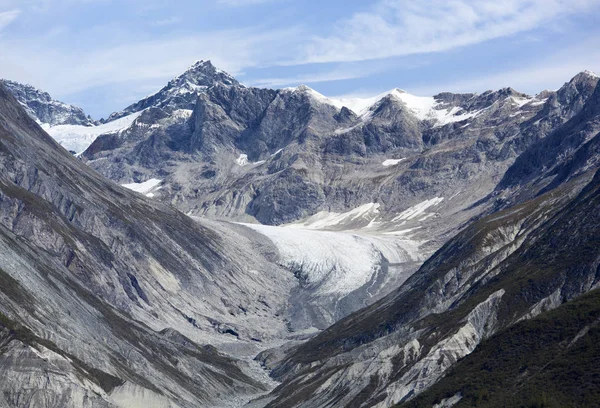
x,y
218,245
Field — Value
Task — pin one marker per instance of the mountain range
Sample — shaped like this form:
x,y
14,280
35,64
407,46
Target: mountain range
x,y
363,252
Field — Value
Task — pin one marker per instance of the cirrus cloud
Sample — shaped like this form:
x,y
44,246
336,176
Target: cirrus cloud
x,y
404,27
7,17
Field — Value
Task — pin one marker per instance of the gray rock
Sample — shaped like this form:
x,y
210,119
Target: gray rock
x,y
41,107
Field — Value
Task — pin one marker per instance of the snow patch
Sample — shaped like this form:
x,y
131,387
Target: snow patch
x,y
444,117
417,210
391,162
77,138
365,214
242,160
147,187
520,101
538,102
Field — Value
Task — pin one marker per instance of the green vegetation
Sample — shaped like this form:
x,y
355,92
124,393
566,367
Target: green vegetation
x,y
550,361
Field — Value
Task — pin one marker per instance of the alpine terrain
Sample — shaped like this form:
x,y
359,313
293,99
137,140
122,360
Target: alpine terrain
x,y
219,245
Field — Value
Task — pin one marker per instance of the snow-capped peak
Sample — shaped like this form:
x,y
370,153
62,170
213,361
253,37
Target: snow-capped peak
x,y
421,107
205,73
590,73
311,93
182,91
361,106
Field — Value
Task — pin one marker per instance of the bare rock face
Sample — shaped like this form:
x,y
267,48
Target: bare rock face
x,y
181,92
41,107
304,153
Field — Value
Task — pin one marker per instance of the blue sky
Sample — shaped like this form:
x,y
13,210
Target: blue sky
x,y
105,54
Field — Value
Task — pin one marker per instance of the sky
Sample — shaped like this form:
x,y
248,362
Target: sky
x,y
103,55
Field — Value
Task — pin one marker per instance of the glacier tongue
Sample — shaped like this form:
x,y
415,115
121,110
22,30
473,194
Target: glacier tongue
x,y
336,262
339,271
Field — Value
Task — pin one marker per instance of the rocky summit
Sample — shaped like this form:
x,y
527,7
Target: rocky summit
x,y
220,245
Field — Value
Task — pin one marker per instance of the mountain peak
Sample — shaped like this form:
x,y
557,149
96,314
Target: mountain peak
x,y
207,63
589,73
204,73
43,108
582,79
182,91
584,75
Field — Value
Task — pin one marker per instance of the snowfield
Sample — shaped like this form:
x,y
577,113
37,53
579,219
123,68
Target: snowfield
x,y
352,219
77,138
147,187
338,253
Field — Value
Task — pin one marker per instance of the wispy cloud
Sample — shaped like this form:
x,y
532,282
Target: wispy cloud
x,y
550,72
7,17
242,3
339,72
305,79
405,27
137,61
166,21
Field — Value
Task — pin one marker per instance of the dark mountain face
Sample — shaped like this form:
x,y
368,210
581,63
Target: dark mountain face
x,y
44,109
551,360
568,151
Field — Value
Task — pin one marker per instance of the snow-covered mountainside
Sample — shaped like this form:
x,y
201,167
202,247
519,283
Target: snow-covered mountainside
x,y
67,124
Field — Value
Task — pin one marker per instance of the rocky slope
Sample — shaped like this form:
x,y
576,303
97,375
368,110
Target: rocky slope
x,y
44,109
508,266
181,92
549,361
111,299
542,249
